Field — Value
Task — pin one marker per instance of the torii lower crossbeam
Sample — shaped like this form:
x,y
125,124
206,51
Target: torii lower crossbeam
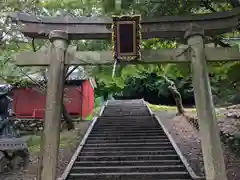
x,y
179,55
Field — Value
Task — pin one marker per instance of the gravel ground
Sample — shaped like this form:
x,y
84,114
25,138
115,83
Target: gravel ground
x,y
188,140
65,155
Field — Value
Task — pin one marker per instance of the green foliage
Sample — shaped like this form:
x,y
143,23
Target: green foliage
x,y
67,138
97,102
130,78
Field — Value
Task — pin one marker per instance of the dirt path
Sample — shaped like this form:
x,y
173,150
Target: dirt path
x,y
188,140
65,155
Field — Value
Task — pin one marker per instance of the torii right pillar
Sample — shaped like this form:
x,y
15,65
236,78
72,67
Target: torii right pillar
x,y
210,138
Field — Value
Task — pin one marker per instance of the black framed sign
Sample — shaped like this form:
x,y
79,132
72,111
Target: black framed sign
x,y
126,37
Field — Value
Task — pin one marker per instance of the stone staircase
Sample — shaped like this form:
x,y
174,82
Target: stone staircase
x,y
127,143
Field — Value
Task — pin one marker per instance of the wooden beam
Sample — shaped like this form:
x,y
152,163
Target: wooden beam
x,y
26,18
222,54
100,27
179,55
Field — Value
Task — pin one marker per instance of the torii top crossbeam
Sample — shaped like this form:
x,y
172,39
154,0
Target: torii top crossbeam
x,y
167,27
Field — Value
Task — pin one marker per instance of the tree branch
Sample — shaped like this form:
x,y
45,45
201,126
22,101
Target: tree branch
x,y
175,93
42,87
69,73
207,5
33,45
234,3
216,40
219,42
35,49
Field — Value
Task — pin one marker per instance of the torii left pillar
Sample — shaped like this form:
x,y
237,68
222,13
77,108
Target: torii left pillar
x,y
53,109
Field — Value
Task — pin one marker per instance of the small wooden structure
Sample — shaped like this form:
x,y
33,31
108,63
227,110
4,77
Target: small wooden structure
x,y
29,103
192,30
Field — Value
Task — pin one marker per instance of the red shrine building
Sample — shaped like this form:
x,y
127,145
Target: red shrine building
x,y
29,103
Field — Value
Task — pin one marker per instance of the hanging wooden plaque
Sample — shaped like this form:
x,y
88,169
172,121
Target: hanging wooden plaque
x,y
126,38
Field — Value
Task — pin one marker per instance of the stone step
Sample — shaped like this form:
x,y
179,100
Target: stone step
x,y
127,163
128,144
124,148
125,169
146,123
122,134
126,117
129,132
121,153
160,137
131,124
131,176
127,141
128,157
127,129
124,114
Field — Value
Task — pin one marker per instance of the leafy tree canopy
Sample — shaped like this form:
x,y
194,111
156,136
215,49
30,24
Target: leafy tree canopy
x,y
138,77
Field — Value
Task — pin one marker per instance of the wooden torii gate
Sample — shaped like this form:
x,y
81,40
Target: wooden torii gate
x,y
190,29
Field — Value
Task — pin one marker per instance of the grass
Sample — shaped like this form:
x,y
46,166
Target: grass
x,y
94,113
34,143
156,108
220,115
66,138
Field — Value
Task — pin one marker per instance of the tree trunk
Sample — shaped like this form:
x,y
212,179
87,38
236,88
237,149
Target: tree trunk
x,y
178,99
176,95
67,117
